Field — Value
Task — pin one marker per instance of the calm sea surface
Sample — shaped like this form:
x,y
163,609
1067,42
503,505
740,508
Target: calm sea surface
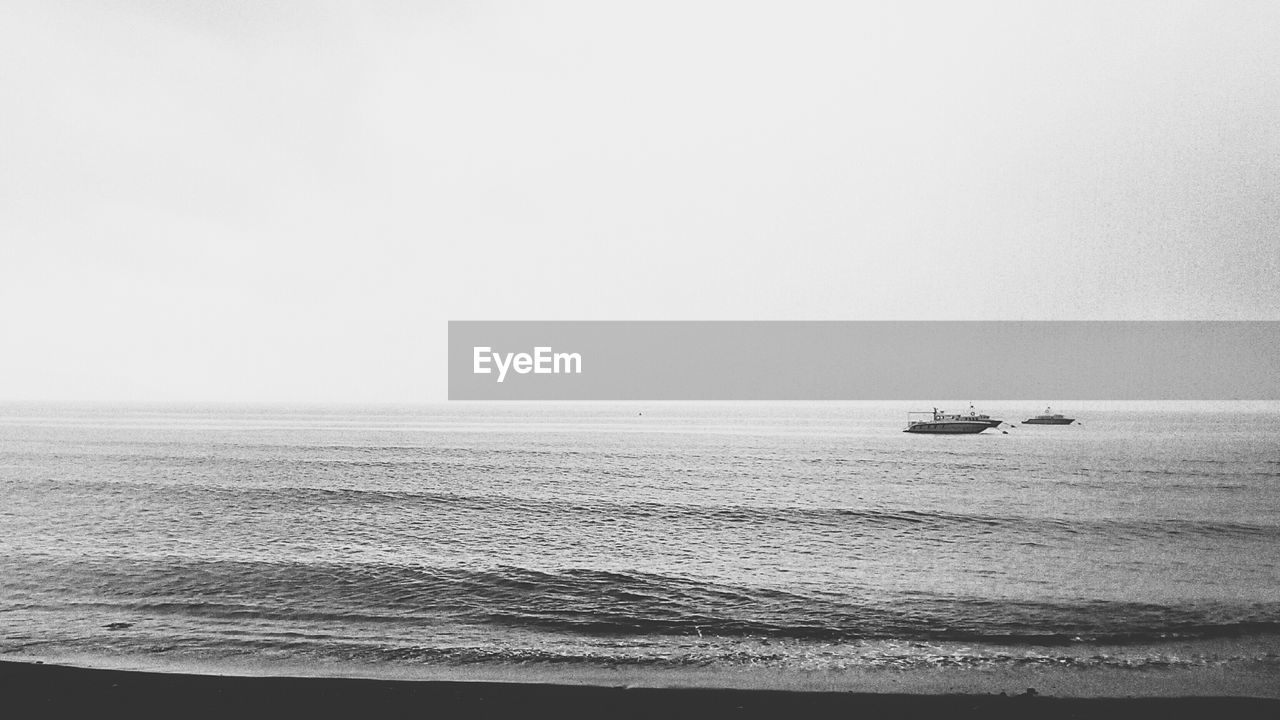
x,y
779,536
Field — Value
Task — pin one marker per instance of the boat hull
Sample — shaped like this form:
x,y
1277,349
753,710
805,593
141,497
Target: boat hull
x,y
948,427
1048,421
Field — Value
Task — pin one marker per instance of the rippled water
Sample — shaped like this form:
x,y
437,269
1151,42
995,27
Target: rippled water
x,y
793,536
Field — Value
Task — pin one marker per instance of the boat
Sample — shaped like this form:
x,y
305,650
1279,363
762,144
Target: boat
x,y
940,423
974,415
1049,418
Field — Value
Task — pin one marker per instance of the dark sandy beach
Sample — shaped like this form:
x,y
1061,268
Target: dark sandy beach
x,y
42,690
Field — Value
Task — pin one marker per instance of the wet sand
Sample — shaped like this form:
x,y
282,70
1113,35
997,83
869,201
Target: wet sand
x,y
33,689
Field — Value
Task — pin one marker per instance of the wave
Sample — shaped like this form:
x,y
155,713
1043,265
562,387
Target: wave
x,y
954,525
601,603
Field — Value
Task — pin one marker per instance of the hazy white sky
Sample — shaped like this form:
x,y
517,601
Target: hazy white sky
x,y
288,200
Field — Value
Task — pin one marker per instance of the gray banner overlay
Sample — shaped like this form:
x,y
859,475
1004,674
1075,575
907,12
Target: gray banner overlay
x,y
782,360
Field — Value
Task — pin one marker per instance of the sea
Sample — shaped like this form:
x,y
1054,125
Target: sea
x,y
767,538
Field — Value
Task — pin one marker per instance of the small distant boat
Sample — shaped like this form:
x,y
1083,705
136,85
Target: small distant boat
x,y
1049,418
940,423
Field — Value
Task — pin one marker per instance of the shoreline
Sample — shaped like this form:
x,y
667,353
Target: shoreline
x,y
1241,678
43,688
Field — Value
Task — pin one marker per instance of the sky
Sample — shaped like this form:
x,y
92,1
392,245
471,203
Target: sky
x,y
288,201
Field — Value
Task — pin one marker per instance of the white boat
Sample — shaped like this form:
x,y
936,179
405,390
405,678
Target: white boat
x,y
976,416
1049,418
940,423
